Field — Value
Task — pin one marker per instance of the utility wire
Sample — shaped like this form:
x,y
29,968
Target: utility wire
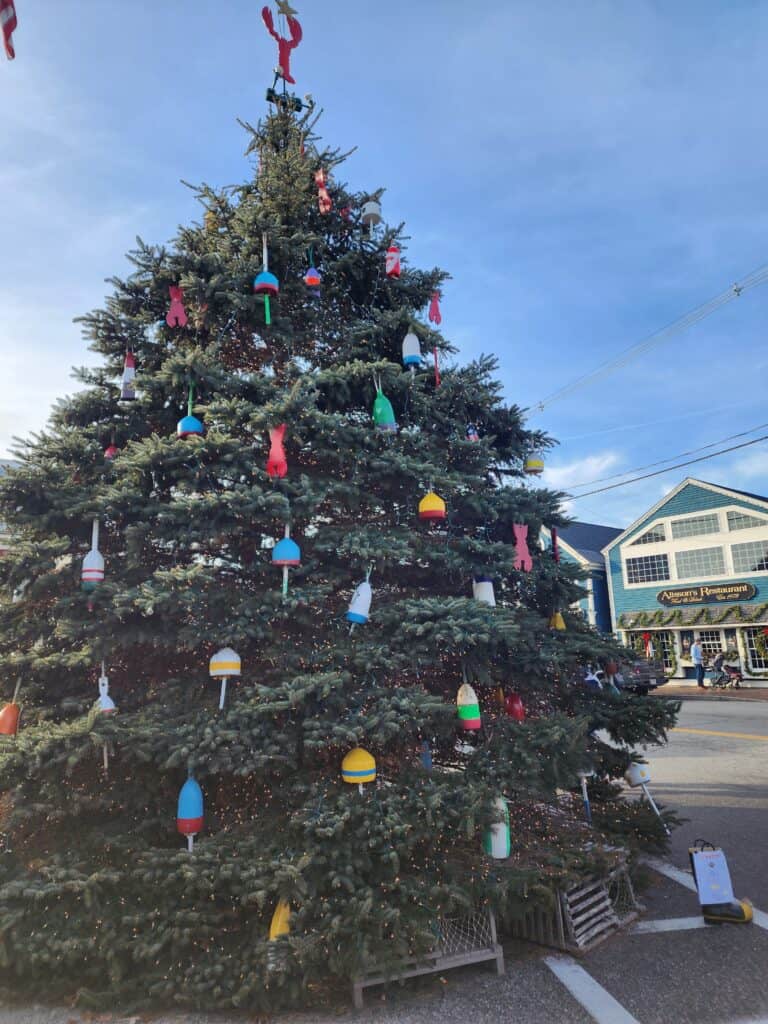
x,y
660,472
672,458
695,316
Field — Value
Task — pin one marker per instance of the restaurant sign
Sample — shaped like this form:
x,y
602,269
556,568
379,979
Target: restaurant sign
x,y
708,594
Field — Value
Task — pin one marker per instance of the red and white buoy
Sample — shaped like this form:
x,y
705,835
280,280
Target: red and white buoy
x,y
128,389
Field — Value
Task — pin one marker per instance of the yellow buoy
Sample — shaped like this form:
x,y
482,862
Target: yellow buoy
x,y
281,921
432,506
358,767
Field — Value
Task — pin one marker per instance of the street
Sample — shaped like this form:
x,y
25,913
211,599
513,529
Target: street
x,y
720,783
669,966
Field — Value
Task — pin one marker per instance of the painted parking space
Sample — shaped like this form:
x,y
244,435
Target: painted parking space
x,y
673,967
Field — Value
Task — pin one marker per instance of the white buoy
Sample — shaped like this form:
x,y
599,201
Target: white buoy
x,y
639,775
224,665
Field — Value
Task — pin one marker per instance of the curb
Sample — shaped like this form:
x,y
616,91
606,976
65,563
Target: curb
x,y
715,697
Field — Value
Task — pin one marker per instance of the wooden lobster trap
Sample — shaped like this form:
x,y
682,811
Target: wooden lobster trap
x,y
583,916
460,941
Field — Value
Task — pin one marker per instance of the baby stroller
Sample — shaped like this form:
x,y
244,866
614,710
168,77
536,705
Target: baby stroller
x,y
724,676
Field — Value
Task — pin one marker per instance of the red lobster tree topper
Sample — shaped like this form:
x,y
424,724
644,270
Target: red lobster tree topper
x,y
284,46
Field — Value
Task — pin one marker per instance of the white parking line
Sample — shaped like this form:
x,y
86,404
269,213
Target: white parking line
x,y
599,1003
670,924
759,917
683,877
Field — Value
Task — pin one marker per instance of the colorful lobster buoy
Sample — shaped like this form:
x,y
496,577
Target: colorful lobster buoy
x,y
514,707
224,666
383,413
281,921
92,573
497,841
127,387
482,590
189,816
534,465
411,352
468,708
9,716
358,768
432,507
286,553
360,605
371,215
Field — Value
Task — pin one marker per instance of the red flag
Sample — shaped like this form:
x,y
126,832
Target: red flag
x,y
9,24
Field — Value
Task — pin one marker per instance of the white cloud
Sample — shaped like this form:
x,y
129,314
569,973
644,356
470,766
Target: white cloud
x,y
581,471
751,468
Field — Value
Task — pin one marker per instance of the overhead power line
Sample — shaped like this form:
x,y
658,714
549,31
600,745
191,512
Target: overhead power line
x,y
672,458
660,472
695,316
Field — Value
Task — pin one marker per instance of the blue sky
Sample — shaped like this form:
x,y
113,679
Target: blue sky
x,y
587,172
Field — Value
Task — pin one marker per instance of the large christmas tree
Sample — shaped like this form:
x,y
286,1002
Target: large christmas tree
x,y
99,893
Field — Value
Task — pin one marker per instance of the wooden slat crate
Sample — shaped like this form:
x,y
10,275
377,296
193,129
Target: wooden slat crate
x,y
461,941
583,916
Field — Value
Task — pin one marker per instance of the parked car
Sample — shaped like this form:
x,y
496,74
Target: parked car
x,y
641,676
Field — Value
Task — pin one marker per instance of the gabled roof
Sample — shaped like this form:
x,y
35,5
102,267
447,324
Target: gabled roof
x,y
689,481
588,539
730,490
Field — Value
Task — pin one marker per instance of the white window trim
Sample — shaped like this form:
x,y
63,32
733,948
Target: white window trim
x,y
724,539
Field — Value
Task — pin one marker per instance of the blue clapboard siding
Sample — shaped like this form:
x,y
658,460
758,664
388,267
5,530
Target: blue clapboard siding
x,y
690,499
602,603
597,577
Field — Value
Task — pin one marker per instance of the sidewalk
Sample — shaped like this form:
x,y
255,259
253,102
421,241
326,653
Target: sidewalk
x,y
691,692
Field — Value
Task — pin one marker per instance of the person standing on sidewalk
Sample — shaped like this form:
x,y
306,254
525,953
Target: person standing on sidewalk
x,y
697,656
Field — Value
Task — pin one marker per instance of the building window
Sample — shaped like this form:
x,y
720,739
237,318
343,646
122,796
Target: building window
x,y
695,526
700,562
647,569
656,535
662,647
741,521
756,662
711,642
752,557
